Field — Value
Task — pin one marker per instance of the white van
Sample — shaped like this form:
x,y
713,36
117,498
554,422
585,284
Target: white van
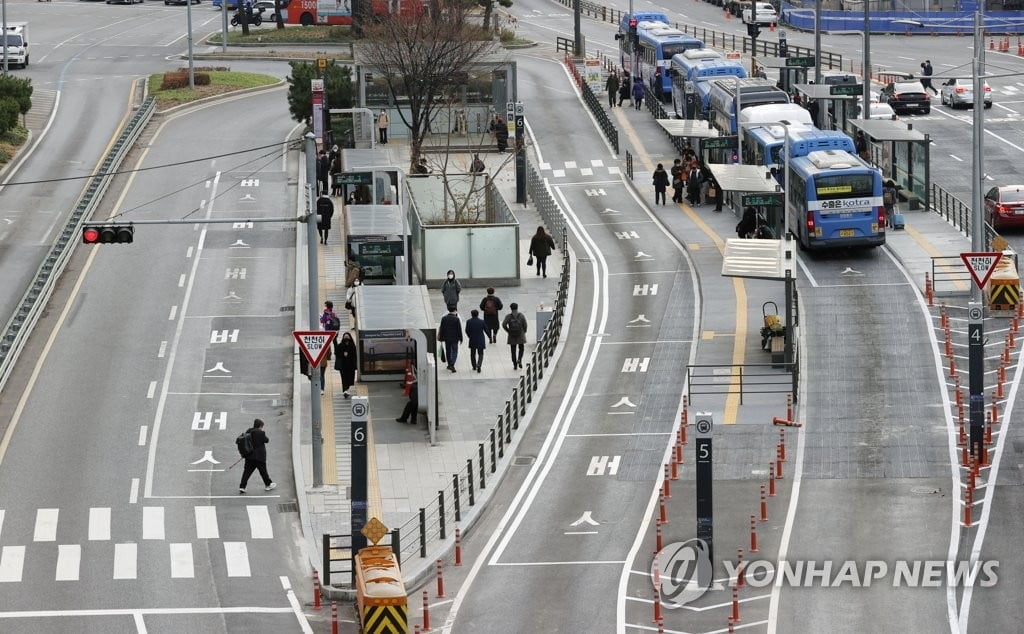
x,y
16,43
764,13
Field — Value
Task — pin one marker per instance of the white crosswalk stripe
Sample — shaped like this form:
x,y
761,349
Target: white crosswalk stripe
x,y
126,561
12,559
236,556
152,522
69,558
46,525
206,522
259,522
182,566
99,524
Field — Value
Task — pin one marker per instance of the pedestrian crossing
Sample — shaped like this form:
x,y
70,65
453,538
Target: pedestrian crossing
x,y
574,168
57,544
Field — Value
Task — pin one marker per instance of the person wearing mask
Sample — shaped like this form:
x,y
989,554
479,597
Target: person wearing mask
x,y
346,362
324,213
638,93
926,76
490,305
383,121
476,333
450,334
612,86
661,182
677,181
693,180
515,325
451,289
541,246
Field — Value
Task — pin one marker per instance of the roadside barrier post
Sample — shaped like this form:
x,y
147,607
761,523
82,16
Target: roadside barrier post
x,y
426,613
753,533
316,590
764,505
657,592
440,579
771,479
458,546
334,617
740,572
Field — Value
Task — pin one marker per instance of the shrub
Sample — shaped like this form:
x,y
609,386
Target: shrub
x,y
179,79
9,112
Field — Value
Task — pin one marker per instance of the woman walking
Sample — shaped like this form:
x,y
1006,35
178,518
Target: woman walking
x,y
638,93
450,290
345,363
541,246
660,183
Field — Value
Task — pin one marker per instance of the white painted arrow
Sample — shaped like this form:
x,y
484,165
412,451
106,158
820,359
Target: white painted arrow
x,y
611,211
641,255
640,318
624,401
207,457
585,519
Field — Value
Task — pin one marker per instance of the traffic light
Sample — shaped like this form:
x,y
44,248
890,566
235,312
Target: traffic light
x,y
753,29
633,35
107,234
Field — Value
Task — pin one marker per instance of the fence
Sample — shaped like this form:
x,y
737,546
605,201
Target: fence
x,y
950,276
751,378
957,212
589,98
436,520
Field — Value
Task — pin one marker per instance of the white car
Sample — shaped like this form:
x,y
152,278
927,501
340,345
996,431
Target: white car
x,y
764,13
882,111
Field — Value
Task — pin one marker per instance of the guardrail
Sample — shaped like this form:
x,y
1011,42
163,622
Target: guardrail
x,y
594,105
434,521
21,323
339,558
564,44
950,276
957,212
753,378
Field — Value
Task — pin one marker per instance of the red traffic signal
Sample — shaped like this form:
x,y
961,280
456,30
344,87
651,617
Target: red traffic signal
x,y
108,234
632,22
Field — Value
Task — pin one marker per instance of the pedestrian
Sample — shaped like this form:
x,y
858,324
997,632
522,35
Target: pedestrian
x,y
693,180
450,334
336,175
477,166
346,363
889,194
661,182
490,305
926,76
515,325
329,319
677,181
324,364
323,172
324,213
624,90
541,246
612,86
748,223
638,93
705,181
715,192
451,289
422,169
501,134
476,333
335,153
257,458
860,143
383,121
412,406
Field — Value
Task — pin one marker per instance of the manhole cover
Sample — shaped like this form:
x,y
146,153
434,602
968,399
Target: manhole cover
x,y
924,491
523,461
288,507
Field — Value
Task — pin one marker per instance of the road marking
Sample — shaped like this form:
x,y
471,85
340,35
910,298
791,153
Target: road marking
x,y
151,391
140,623
99,524
296,608
259,521
133,495
126,561
956,158
630,434
46,525
142,435
206,522
591,562
162,351
69,556
236,556
152,522
181,280
40,614
581,532
12,559
181,561
1,521
173,313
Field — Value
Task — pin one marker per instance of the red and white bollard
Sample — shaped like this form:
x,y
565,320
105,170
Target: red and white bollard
x,y
458,546
735,604
334,617
662,514
316,590
782,444
764,505
771,480
995,409
789,407
657,592
666,487
426,613
657,536
753,533
739,568
968,502
778,463
440,579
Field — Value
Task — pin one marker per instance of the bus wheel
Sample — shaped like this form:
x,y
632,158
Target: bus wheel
x,y
306,20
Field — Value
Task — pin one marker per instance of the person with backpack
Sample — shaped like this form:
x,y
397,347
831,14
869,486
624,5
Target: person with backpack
x,y
329,319
490,305
451,289
252,445
515,325
678,183
450,334
324,213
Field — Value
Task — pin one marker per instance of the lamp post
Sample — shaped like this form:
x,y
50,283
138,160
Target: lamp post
x,y
977,171
867,63
191,65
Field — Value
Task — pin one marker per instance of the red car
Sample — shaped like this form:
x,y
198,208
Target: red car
x,y
1004,206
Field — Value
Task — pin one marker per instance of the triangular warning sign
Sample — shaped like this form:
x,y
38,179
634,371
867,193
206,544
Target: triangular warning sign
x,y
314,344
981,265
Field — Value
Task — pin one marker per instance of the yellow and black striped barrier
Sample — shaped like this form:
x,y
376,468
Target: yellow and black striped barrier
x,y
380,593
1004,286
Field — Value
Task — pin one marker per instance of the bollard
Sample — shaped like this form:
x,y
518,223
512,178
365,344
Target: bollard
x,y
663,517
753,533
426,613
679,453
972,480
739,568
928,288
316,590
968,502
778,463
995,410
1006,354
440,579
961,439
657,537
782,444
952,367
949,344
1010,339
988,430
735,604
959,396
657,592
731,630
771,479
764,504
1001,380
984,455
943,317
675,470
458,546
334,617
417,629
682,431
789,407
666,486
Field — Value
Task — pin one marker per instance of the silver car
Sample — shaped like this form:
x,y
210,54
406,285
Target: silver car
x,y
960,93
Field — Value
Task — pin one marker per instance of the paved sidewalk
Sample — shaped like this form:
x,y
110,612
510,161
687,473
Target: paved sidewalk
x,y
405,470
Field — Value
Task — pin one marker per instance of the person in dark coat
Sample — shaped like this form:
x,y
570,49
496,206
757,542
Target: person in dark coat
x,y
515,325
501,134
661,183
541,246
612,86
324,213
693,181
624,90
450,334
476,332
926,79
748,223
346,362
257,460
678,183
323,172
412,406
451,289
491,305
335,175
638,93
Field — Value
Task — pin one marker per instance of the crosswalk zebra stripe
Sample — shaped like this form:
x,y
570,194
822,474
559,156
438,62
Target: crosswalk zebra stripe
x,y
236,556
126,561
181,561
1,521
259,522
152,522
69,558
99,524
206,522
12,559
46,525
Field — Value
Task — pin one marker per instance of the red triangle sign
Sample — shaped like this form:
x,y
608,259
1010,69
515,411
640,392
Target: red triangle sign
x,y
314,344
981,265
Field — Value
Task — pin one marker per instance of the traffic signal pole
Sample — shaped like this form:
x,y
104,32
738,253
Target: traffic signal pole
x,y
314,307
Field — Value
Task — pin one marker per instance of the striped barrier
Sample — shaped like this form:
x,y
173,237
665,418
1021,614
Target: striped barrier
x,y
381,603
1004,286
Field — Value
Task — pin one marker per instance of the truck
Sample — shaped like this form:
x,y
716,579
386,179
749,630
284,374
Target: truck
x,y
16,44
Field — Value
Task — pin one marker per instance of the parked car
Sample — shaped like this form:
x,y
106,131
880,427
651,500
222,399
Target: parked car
x,y
1004,206
882,111
960,92
166,2
761,13
907,96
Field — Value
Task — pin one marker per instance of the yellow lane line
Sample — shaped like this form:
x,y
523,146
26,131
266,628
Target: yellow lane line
x,y
732,400
930,249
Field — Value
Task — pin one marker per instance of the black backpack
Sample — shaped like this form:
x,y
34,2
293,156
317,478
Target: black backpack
x,y
244,443
333,322
515,327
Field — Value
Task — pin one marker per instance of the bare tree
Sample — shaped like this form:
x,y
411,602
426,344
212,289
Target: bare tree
x,y
423,59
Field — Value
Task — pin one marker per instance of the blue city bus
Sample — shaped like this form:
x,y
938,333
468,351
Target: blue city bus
x,y
687,73
834,201
764,131
753,92
658,45
625,43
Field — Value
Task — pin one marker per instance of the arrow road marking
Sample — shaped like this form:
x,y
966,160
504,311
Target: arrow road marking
x,y
585,519
624,401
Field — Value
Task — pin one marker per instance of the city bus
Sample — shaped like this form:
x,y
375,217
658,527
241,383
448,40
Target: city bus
x,y
764,130
658,45
687,73
626,52
834,200
753,92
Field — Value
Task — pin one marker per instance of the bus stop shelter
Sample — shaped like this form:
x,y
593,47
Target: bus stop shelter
x,y
836,108
754,185
684,132
903,154
789,70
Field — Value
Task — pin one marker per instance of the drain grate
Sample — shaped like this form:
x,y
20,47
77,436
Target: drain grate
x,y
523,461
288,507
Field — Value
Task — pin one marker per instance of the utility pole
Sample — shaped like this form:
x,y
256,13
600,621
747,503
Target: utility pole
x,y
314,306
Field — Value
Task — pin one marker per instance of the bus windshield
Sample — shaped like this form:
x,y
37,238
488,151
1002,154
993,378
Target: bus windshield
x,y
843,186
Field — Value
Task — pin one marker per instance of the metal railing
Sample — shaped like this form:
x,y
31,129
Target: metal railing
x,y
746,378
950,276
957,212
434,521
21,323
594,105
339,558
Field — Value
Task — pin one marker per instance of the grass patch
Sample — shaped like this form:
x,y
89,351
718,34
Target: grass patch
x,y
221,82
10,141
268,33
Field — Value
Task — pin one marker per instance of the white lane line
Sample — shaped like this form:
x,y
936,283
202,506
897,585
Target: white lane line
x,y
162,351
69,557
133,612
173,313
206,522
152,522
133,495
152,389
140,623
181,280
182,566
558,563
12,560
956,158
142,435
236,556
293,601
99,524
1,522
46,525
259,521
631,434
126,561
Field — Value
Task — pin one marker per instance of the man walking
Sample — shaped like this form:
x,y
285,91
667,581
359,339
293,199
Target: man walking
x,y
450,334
612,86
926,79
515,325
476,331
491,304
257,458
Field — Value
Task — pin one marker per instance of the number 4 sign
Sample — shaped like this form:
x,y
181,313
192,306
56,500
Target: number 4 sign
x,y
981,265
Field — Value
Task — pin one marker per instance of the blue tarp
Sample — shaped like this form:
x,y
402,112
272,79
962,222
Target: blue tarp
x,y
934,22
